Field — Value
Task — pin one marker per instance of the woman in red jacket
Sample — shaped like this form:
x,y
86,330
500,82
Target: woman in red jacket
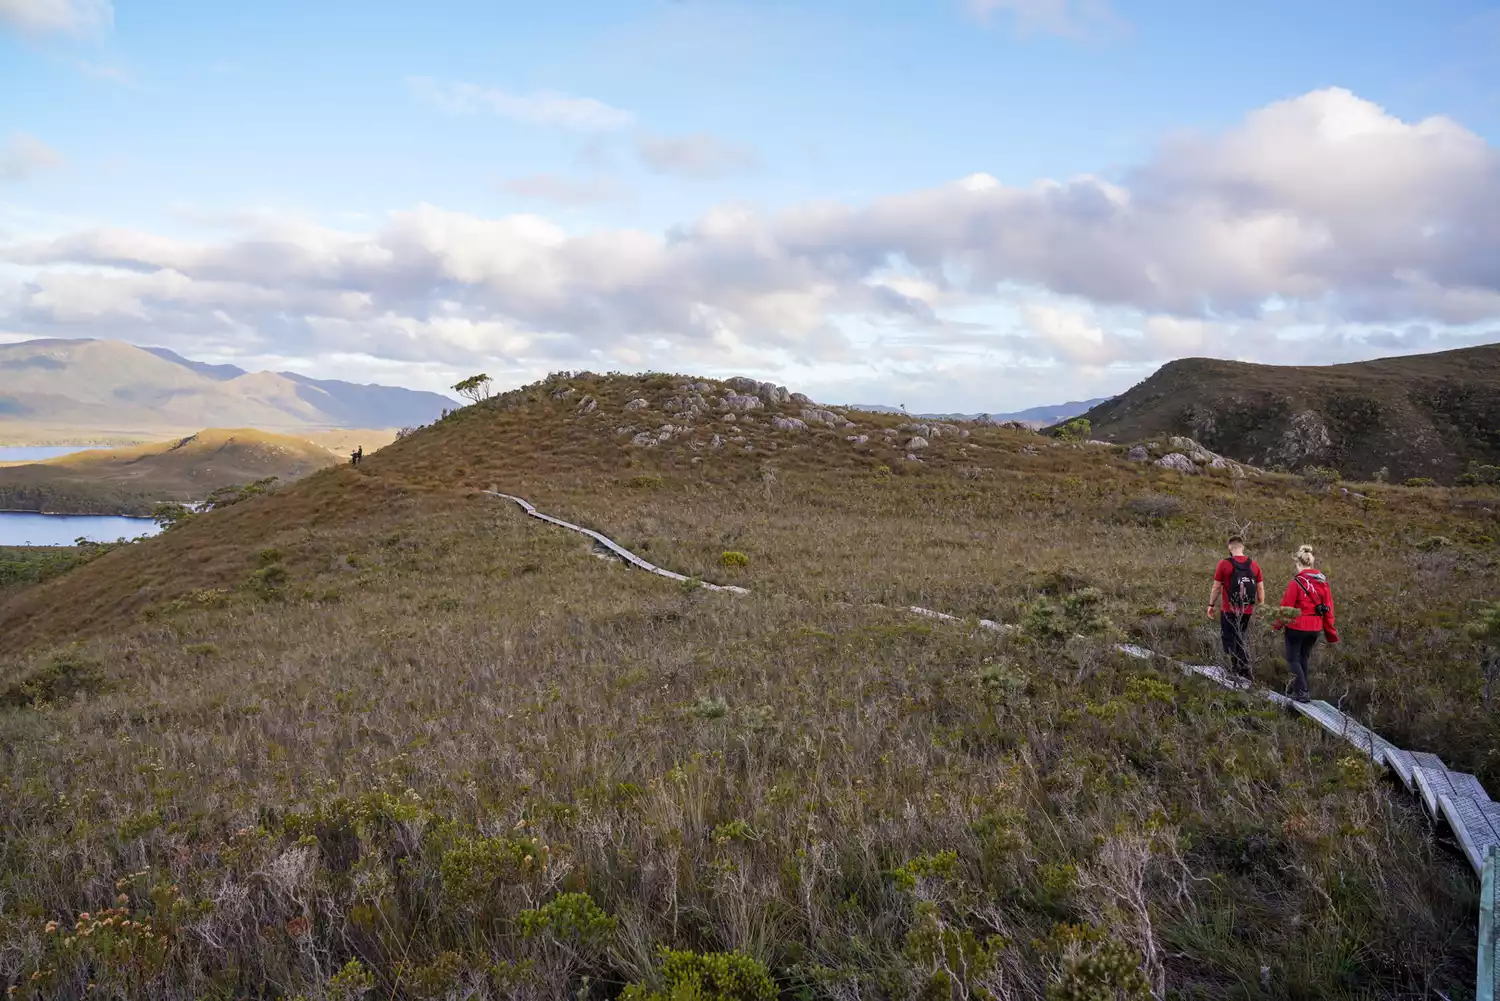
x,y
1309,596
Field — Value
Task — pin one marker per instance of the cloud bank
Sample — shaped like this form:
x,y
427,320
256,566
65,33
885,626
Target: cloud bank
x,y
49,17
24,155
1321,210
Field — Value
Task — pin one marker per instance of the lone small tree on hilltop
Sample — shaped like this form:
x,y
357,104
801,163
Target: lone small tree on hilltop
x,y
475,388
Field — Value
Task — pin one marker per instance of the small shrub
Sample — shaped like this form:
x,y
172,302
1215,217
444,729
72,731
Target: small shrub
x,y
268,556
710,707
1091,966
1320,477
1419,481
475,866
1152,507
708,976
646,481
170,515
351,983
267,582
435,980
1076,429
570,919
229,496
731,558
735,830
62,677
1434,542
943,865
1479,474
954,961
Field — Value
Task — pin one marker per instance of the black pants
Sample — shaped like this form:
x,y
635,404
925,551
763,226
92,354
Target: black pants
x,y
1232,629
1299,646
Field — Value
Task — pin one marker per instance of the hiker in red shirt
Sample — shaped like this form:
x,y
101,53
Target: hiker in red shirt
x,y
1306,612
1239,587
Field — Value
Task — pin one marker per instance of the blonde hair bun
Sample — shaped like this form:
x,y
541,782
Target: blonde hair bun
x,y
1305,556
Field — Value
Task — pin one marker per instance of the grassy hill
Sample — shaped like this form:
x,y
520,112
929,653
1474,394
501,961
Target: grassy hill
x,y
377,728
1414,416
110,387
132,480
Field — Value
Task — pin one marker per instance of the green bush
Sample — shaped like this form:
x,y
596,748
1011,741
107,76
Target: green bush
x,y
571,919
731,558
267,582
1076,429
170,515
61,678
475,866
709,976
1419,481
1320,477
1093,966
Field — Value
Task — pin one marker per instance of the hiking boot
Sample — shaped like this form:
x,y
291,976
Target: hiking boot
x,y
1302,697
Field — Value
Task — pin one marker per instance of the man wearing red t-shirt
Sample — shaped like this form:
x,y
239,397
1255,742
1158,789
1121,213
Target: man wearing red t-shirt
x,y
1238,582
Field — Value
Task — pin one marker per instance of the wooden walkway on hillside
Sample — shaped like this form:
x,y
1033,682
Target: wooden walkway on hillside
x,y
1455,798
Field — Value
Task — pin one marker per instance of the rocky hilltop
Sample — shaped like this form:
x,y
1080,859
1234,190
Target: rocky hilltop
x,y
1418,416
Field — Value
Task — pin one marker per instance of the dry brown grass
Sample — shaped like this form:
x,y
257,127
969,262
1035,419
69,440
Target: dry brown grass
x,y
332,761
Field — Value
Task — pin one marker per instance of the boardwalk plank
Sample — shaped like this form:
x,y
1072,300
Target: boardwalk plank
x,y
1476,825
1487,985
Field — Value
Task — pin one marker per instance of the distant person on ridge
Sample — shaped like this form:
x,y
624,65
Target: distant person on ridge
x,y
359,454
1306,611
1238,587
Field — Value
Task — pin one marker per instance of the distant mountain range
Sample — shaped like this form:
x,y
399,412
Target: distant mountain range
x,y
1048,414
99,384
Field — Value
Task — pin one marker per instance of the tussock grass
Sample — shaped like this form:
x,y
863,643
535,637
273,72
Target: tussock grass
x,y
315,734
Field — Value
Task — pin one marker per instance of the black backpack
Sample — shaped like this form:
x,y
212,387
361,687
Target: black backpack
x,y
1241,589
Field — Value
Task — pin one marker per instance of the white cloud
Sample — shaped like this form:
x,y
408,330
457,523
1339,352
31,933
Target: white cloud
x,y
1076,19
695,155
563,190
47,17
1366,233
543,107
24,155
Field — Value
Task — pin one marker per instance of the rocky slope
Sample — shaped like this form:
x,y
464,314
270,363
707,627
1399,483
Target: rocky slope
x,y
1417,416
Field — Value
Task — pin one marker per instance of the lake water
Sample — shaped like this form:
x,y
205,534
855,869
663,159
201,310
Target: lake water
x,y
22,528
31,453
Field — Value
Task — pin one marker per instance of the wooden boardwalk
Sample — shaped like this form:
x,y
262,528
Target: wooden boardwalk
x,y
1455,798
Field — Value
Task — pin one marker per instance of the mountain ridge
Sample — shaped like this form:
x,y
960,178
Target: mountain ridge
x,y
1414,416
102,384
1047,413
131,480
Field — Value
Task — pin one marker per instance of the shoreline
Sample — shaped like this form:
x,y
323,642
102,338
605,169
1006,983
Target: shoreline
x,y
75,514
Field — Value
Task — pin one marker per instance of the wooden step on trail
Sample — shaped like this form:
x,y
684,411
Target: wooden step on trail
x,y
1487,987
1476,824
1340,724
1432,783
1404,763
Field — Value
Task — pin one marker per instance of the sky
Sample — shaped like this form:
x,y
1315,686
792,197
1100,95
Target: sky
x,y
955,205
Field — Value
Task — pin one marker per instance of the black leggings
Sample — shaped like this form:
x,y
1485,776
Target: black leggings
x,y
1299,646
1232,629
